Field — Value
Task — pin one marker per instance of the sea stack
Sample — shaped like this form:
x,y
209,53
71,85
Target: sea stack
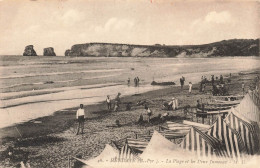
x,y
67,52
48,52
29,51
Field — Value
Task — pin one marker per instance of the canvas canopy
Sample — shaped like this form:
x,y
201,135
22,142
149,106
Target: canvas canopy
x,y
202,145
249,109
248,130
254,96
160,148
232,139
105,156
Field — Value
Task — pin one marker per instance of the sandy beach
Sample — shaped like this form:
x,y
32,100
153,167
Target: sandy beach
x,y
50,140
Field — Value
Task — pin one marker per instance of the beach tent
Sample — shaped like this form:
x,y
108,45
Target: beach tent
x,y
249,109
254,96
111,157
137,145
248,130
127,153
232,139
203,145
103,158
160,148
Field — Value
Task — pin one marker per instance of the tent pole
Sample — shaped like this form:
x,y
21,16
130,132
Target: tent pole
x,y
69,161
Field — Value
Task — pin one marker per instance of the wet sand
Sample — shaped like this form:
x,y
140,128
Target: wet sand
x,y
50,140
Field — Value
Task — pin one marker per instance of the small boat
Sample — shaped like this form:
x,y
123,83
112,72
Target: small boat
x,y
163,83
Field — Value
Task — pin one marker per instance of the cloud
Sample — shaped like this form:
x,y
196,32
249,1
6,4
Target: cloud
x,y
72,17
115,24
221,17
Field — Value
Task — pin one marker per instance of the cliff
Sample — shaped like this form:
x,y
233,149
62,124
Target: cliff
x,y
235,47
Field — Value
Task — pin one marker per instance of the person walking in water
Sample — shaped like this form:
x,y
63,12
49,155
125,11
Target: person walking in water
x,y
135,81
128,82
108,100
190,87
81,118
138,80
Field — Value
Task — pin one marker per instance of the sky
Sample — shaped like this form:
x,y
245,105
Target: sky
x,y
63,23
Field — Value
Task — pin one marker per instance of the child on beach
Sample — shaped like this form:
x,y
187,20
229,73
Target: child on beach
x,y
81,118
149,112
190,87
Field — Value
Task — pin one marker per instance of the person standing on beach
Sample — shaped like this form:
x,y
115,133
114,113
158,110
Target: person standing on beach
x,y
149,112
138,80
221,79
182,82
128,82
243,87
190,87
81,118
117,102
135,81
212,80
108,100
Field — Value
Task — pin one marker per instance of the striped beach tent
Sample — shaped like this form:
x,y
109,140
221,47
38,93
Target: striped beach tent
x,y
127,153
203,144
159,148
248,130
249,109
231,138
137,145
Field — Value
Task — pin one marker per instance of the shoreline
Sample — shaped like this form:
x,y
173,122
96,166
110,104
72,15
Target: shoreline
x,y
47,120
53,137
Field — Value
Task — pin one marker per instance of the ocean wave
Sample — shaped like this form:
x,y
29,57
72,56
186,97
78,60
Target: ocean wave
x,y
58,73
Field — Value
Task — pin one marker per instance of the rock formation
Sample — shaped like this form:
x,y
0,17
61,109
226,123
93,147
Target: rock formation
x,y
67,53
235,47
48,52
29,51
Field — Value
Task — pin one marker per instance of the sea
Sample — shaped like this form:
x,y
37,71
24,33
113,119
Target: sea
x,y
33,87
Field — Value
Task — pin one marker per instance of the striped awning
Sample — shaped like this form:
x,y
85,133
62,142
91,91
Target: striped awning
x,y
203,144
127,153
137,145
232,139
248,130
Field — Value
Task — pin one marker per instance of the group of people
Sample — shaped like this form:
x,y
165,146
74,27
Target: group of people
x,y
116,104
80,115
136,81
182,82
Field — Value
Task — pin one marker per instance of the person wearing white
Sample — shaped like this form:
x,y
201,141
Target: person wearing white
x,y
80,116
108,100
190,87
173,104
